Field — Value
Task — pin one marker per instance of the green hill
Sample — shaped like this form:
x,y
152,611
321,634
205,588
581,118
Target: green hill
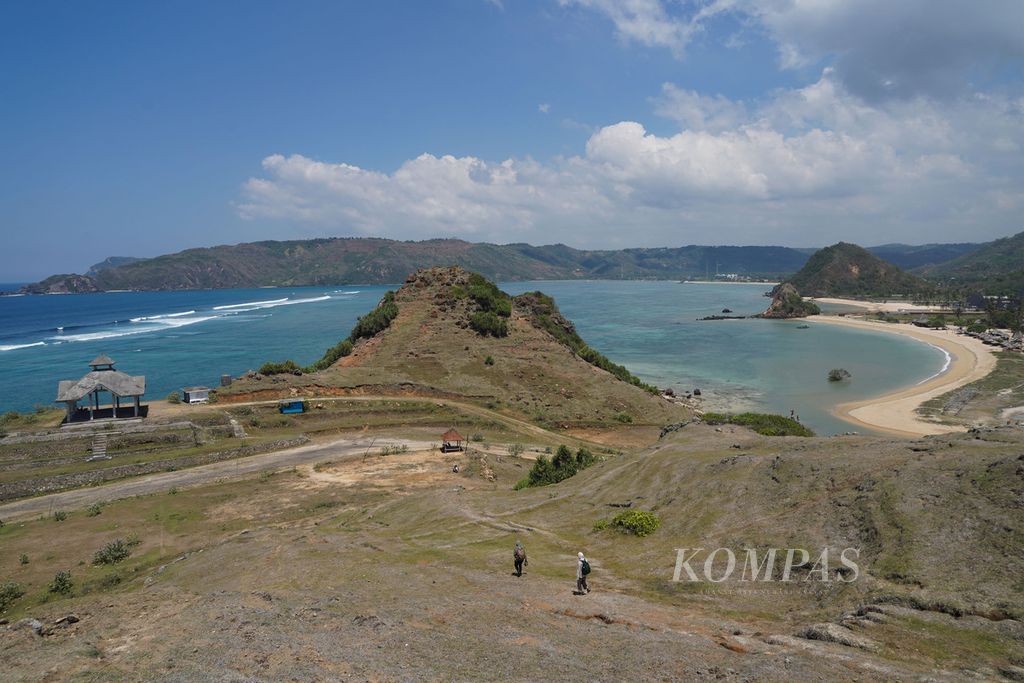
x,y
995,268
339,261
849,270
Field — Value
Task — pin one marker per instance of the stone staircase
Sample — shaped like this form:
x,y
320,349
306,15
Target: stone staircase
x,y
99,447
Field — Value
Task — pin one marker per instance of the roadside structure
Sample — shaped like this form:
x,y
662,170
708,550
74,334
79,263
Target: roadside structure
x,y
102,379
451,441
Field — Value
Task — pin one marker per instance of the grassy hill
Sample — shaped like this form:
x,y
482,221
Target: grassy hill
x,y
849,270
911,256
995,268
456,334
372,261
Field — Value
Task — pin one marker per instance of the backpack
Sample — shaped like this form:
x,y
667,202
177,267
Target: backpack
x,y
519,553
585,569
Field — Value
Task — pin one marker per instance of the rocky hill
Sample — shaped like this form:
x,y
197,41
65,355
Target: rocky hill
x,y
995,268
849,270
449,332
376,261
787,303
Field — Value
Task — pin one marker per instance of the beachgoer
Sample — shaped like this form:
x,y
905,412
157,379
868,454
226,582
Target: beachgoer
x,y
582,569
519,556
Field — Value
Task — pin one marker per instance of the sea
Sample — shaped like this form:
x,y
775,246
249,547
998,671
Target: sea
x,y
188,338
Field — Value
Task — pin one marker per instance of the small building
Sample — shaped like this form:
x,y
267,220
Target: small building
x,y
291,406
451,441
103,379
195,394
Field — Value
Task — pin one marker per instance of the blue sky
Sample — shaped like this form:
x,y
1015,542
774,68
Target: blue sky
x,y
145,128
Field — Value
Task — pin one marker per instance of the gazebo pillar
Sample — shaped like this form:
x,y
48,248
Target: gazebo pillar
x,y
136,406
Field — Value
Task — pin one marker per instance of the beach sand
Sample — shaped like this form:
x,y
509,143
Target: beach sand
x,y
896,412
886,306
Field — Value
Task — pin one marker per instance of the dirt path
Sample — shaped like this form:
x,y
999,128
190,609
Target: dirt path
x,y
194,476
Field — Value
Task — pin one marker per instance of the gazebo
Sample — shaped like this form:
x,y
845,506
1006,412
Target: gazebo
x,y
451,441
102,378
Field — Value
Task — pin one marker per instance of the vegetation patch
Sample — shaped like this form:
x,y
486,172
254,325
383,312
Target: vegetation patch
x,y
494,307
637,522
766,424
9,592
62,583
113,552
563,465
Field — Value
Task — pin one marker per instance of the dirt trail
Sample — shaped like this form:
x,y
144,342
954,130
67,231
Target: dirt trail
x,y
335,450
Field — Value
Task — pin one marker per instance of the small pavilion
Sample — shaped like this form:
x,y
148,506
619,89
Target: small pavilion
x,y
451,441
125,393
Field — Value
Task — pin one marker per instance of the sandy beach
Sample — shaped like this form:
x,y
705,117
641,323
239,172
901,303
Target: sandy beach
x,y
884,306
895,412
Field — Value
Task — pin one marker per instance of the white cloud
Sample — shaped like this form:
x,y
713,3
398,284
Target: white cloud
x,y
811,165
643,21
543,107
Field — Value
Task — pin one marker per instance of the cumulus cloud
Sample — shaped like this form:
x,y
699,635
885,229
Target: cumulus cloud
x,y
543,107
814,164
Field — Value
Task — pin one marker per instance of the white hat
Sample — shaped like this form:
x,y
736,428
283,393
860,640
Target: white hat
x,y
579,555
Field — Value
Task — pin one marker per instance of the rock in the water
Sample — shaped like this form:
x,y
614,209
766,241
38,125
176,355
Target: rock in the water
x,y
787,303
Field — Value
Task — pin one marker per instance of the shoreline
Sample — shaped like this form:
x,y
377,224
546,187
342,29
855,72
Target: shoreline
x,y
895,412
875,306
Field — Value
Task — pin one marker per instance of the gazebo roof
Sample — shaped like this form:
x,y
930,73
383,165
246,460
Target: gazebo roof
x,y
102,359
114,381
452,435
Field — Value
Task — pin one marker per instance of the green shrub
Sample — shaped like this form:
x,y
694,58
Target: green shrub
x,y
624,418
488,323
601,525
23,558
638,522
112,553
375,321
9,592
285,367
563,465
61,583
174,397
515,449
94,510
489,360
60,516
765,424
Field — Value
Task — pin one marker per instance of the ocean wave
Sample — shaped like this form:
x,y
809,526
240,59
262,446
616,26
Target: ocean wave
x,y
338,291
257,304
12,347
945,365
148,318
143,328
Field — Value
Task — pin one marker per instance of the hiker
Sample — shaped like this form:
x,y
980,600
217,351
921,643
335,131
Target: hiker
x,y
519,555
582,569
455,468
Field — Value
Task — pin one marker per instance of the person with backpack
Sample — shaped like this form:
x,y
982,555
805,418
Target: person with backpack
x,y
519,556
582,569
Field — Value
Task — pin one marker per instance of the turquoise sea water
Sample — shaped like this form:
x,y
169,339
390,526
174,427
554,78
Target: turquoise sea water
x,y
183,338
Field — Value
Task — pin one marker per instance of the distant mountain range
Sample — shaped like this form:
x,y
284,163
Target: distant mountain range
x,y
340,261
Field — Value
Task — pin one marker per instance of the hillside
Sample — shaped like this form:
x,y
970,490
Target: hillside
x,y
996,268
849,270
376,261
434,336
911,256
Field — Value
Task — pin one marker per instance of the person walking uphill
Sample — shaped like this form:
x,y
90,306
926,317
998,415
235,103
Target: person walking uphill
x,y
582,569
519,555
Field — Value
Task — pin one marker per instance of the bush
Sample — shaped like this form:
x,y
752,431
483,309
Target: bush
x,y
601,525
174,397
624,418
375,321
60,516
515,449
563,465
765,424
286,367
9,592
487,323
94,510
112,553
23,558
639,522
489,360
61,583
837,374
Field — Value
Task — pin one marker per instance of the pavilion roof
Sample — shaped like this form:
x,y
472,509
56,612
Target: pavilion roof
x,y
102,359
114,381
452,435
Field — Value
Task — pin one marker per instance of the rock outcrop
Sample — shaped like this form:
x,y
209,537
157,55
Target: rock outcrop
x,y
787,303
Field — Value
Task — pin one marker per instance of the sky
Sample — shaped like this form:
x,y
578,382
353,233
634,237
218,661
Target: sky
x,y
143,128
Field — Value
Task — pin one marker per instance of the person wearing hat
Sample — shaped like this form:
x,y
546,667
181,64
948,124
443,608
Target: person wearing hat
x,y
582,569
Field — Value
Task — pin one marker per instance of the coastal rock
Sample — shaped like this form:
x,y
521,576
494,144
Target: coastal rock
x,y
834,633
787,303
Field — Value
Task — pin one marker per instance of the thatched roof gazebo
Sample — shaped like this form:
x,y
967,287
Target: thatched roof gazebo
x,y
451,441
102,378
